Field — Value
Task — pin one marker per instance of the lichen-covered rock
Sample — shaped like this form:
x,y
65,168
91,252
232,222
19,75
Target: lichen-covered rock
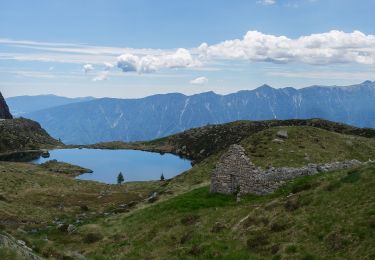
x,y
282,134
18,246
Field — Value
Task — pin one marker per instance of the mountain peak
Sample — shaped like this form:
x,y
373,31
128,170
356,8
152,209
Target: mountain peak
x,y
265,86
367,82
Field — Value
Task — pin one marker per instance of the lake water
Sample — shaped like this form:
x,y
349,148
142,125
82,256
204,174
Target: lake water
x,y
134,165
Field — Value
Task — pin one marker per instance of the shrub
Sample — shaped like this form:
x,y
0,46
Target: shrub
x,y
92,237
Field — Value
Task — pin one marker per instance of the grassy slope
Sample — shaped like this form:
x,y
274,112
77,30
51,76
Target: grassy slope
x,y
306,144
324,216
199,143
32,195
193,223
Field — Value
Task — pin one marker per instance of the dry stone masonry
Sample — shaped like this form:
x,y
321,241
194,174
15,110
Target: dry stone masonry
x,y
235,173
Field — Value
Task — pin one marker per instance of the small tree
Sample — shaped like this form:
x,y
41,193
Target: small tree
x,y
120,178
162,177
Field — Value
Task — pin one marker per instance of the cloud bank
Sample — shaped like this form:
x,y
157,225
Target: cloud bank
x,y
325,48
331,47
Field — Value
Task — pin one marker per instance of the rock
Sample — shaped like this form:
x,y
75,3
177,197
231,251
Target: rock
x,y
132,204
62,227
71,228
4,109
19,246
218,227
153,197
120,210
282,134
277,140
21,242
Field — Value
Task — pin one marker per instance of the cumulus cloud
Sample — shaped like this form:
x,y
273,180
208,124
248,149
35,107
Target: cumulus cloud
x,y
87,68
108,66
325,48
101,76
181,58
267,2
199,81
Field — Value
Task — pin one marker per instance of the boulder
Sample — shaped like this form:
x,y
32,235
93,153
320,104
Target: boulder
x,y
282,134
154,197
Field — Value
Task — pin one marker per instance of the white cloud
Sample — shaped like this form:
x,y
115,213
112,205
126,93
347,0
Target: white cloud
x,y
267,2
108,66
199,81
101,76
87,68
181,58
328,74
325,48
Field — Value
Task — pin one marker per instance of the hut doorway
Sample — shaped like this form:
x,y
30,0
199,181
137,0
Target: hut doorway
x,y
234,184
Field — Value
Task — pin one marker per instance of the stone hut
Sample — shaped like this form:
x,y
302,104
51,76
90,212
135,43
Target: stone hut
x,y
235,173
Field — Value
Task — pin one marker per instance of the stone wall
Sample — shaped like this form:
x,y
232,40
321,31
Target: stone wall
x,y
235,173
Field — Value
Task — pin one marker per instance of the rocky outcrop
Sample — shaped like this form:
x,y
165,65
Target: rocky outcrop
x,y
23,134
19,247
4,109
235,173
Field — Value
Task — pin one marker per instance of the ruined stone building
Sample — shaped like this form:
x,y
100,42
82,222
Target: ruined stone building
x,y
236,174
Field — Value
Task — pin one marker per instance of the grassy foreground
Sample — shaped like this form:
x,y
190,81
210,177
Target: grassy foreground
x,y
325,216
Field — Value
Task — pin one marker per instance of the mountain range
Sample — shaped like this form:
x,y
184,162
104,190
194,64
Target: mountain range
x,y
109,119
21,105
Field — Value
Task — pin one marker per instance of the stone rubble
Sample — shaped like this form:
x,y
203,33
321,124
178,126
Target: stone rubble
x,y
236,174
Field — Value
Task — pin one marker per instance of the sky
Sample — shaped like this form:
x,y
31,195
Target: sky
x,y
132,49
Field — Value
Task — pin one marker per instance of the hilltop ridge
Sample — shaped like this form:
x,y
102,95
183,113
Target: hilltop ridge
x,y
156,116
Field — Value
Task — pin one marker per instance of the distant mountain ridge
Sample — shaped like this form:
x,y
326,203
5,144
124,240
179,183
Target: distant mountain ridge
x,y
21,105
156,116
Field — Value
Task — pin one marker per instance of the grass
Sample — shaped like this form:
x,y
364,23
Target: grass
x,y
323,216
32,195
305,145
55,166
305,219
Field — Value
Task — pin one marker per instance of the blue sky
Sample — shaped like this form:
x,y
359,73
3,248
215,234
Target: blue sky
x,y
137,48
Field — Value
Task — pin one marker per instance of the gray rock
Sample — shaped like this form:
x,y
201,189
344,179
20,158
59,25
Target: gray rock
x,y
277,140
71,228
282,134
154,197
